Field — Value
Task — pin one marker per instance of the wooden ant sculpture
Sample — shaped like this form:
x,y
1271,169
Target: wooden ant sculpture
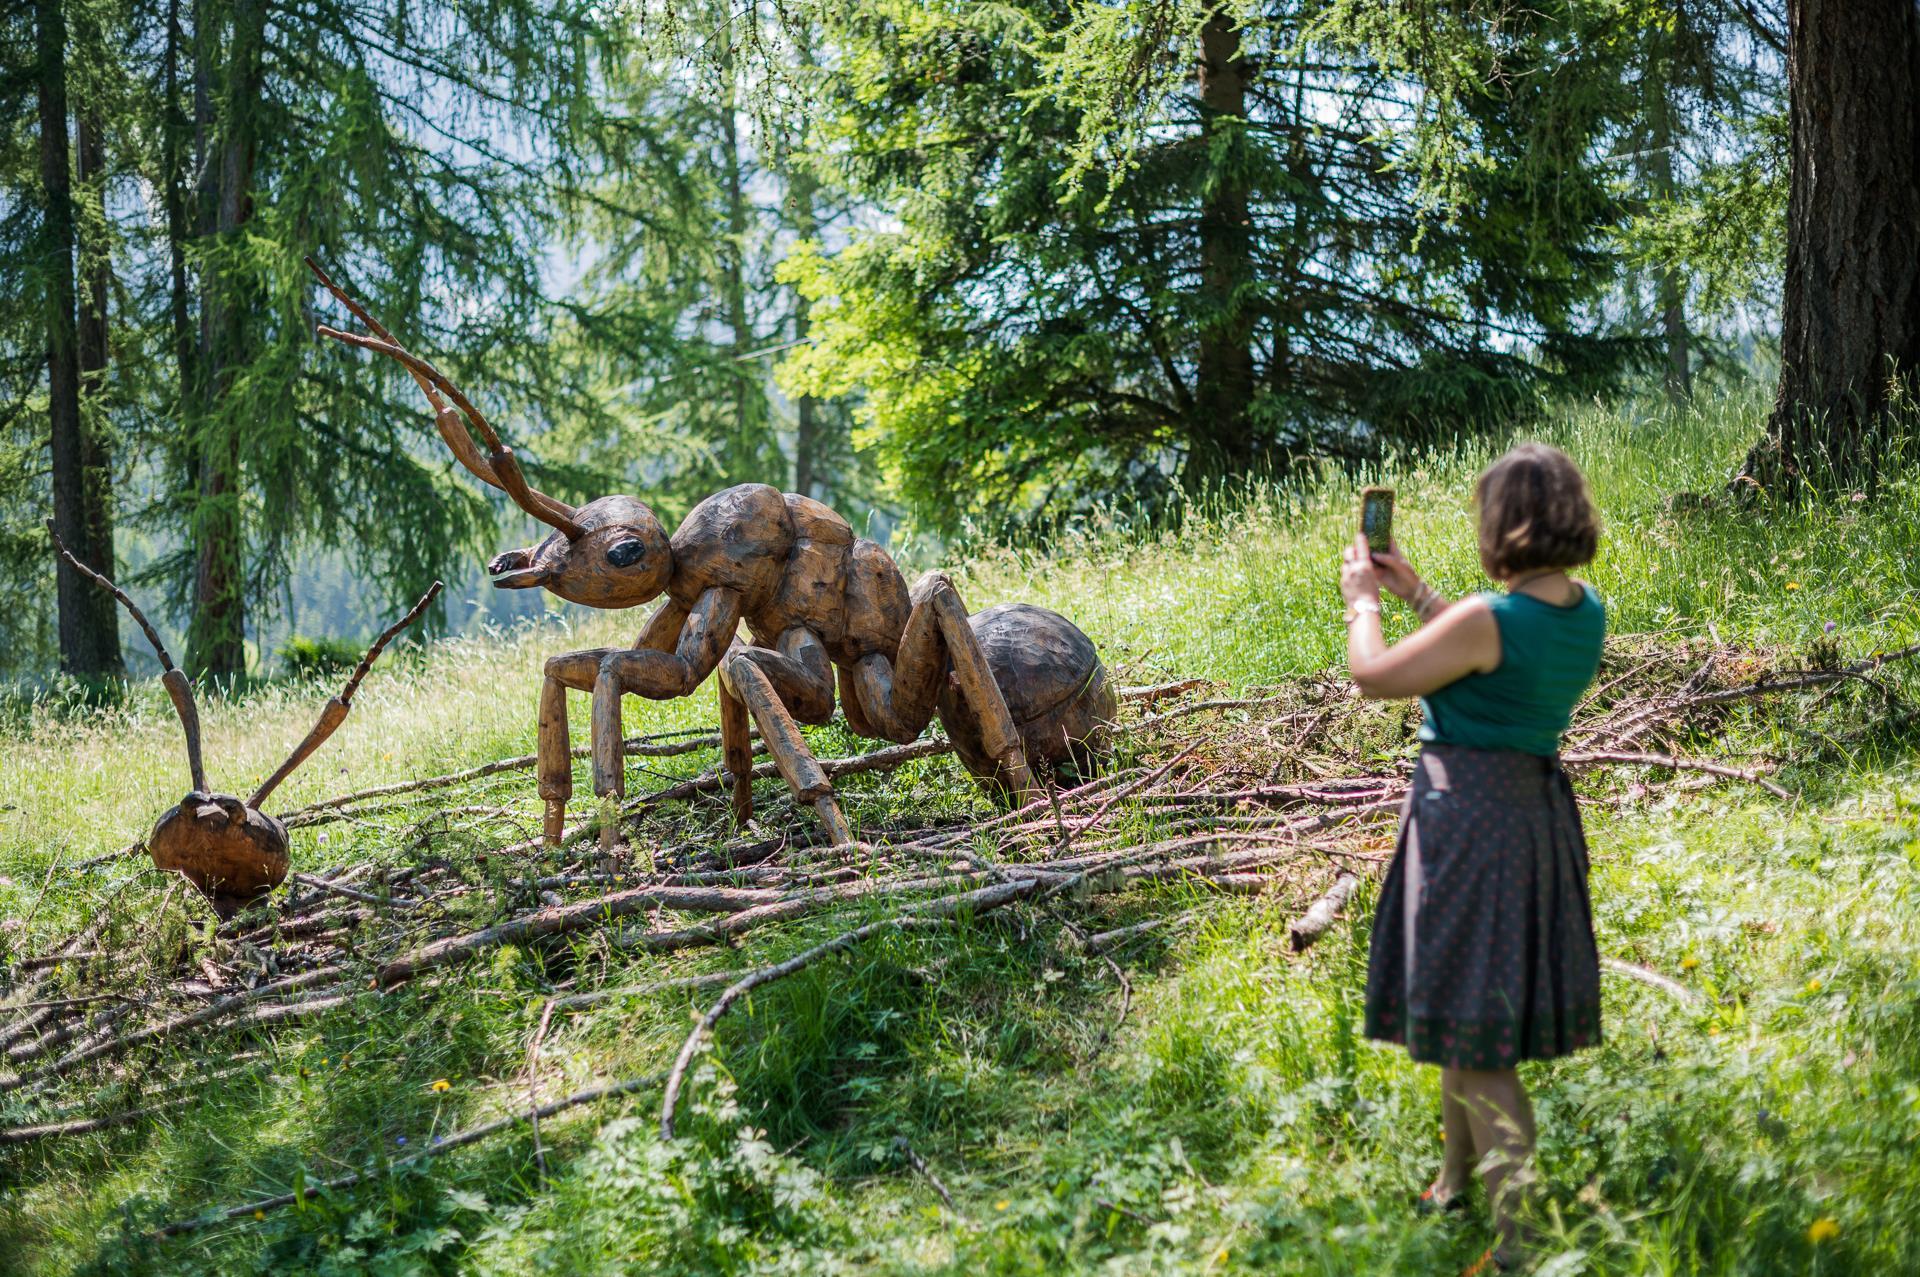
x,y
231,850
1015,686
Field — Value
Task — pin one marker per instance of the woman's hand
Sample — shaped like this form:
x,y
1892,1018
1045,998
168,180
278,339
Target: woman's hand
x,y
1393,571
1357,578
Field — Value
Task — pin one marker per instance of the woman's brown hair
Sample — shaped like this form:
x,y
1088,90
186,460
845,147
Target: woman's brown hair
x,y
1536,514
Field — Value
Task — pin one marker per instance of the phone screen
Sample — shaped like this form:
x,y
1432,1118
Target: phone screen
x,y
1376,518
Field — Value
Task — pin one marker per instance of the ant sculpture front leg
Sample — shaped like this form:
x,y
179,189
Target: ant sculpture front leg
x,y
678,649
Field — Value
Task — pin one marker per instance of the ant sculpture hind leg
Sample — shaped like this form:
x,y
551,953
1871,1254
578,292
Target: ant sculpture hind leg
x,y
899,697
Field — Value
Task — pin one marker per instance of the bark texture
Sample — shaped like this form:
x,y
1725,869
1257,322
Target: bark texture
x,y
1224,376
88,630
217,643
1850,328
1671,288
806,436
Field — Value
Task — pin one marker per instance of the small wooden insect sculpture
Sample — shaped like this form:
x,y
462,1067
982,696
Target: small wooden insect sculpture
x,y
231,850
1017,687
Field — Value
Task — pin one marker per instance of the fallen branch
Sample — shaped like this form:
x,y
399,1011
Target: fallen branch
x,y
228,1006
920,1168
1315,922
1752,776
1653,980
576,1000
88,1125
878,760
562,919
1101,941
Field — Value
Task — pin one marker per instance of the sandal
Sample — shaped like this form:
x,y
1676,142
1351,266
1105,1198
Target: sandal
x,y
1427,1204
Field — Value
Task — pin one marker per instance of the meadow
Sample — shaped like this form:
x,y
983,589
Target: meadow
x,y
1764,1118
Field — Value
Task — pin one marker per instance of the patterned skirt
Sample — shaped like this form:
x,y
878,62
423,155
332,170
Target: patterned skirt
x,y
1483,951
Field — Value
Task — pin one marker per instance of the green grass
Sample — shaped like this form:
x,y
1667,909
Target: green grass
x,y
1236,1123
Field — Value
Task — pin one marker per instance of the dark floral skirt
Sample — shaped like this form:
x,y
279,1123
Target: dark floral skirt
x,y
1483,950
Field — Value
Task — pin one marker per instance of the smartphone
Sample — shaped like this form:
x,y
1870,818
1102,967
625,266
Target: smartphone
x,y
1376,518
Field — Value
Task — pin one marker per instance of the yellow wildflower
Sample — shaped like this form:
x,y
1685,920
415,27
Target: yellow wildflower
x,y
259,1214
1793,585
1824,1229
1813,985
441,1084
1689,962
1001,1204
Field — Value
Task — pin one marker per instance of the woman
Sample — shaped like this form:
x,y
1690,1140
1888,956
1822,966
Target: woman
x,y
1483,951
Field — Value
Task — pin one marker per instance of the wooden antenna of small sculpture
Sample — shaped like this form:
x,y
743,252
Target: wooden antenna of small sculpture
x,y
232,851
179,689
336,708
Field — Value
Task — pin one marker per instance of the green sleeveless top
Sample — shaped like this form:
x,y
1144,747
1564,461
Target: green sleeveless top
x,y
1548,657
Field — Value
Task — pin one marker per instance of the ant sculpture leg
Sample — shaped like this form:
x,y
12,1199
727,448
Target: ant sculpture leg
x,y
898,697
893,699
780,688
677,650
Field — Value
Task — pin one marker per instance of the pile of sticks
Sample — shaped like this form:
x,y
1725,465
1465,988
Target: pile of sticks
x,y
1289,790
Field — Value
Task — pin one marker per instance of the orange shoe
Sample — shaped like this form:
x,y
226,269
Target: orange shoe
x,y
1487,1263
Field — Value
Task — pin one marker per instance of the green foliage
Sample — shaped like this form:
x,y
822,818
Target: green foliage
x,y
1032,334
307,658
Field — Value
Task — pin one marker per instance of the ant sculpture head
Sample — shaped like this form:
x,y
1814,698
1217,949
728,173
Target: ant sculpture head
x,y
231,850
609,553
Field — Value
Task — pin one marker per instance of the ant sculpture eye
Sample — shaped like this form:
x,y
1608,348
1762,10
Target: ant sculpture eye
x,y
624,554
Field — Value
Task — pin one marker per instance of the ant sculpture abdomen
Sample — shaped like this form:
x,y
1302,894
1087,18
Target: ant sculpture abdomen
x,y
1019,688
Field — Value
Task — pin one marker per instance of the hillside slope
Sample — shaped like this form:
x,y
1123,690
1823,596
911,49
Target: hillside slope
x,y
994,1097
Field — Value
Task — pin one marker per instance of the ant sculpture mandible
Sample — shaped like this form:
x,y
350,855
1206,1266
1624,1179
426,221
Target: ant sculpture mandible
x,y
1017,687
231,850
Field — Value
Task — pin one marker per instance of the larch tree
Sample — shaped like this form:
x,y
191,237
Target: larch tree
x,y
75,345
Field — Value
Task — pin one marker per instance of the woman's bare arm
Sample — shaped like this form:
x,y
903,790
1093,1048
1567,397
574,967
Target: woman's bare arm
x,y
1462,640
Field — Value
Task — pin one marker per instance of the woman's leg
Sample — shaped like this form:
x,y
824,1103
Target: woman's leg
x,y
1457,1161
1501,1118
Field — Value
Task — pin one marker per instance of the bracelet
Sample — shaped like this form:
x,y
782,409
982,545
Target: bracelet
x,y
1427,601
1360,607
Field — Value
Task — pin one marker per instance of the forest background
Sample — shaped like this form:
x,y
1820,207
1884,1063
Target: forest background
x,y
967,271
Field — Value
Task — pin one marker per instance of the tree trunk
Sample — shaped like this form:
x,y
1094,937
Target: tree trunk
x,y
1850,327
1224,378
734,280
806,435
1671,292
89,631
217,641
174,202
96,454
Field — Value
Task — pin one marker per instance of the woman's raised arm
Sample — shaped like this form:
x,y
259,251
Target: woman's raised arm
x,y
1464,639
